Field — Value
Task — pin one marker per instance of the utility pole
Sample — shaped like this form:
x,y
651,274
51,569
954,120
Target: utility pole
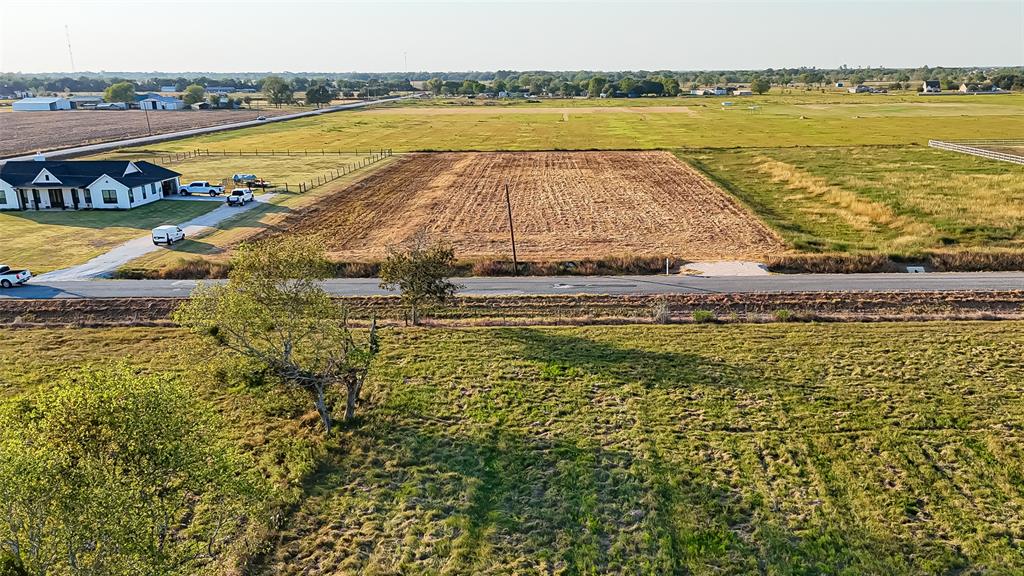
x,y
148,127
71,56
512,232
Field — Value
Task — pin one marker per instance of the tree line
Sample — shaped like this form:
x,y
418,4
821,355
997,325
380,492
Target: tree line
x,y
563,83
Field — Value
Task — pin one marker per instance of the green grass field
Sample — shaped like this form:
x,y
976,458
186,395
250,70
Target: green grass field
x,y
828,120
772,449
45,241
901,200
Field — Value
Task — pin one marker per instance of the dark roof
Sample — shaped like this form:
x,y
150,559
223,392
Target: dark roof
x,y
78,173
931,82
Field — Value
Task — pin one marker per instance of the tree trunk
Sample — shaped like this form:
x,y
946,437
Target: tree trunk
x,y
353,386
323,408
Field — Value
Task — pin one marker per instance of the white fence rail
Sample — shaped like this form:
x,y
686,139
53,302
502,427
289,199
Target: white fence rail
x,y
972,149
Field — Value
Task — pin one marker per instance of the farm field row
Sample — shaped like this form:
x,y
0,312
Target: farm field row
x,y
860,448
28,132
567,205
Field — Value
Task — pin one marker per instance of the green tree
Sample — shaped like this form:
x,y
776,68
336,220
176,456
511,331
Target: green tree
x,y
857,79
435,85
319,94
498,86
194,94
277,90
421,272
760,85
120,92
113,472
671,86
274,312
596,85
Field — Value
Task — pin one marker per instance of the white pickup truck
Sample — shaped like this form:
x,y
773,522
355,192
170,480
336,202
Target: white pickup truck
x,y
239,196
10,277
201,187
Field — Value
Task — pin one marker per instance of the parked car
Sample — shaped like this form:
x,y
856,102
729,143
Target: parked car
x,y
167,235
9,277
240,196
261,118
201,187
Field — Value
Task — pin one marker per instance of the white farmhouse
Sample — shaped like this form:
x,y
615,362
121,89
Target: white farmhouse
x,y
74,185
42,103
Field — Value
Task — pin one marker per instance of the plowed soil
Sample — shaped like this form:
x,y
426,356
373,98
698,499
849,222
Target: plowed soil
x,y
25,132
566,205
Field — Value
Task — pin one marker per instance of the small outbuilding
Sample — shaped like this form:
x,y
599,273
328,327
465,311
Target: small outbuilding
x,y
157,102
42,104
85,102
931,86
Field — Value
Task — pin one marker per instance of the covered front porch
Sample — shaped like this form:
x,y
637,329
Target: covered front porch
x,y
54,198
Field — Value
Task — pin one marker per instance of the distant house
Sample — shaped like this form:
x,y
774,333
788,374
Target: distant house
x,y
931,86
719,91
859,89
156,102
201,106
220,89
840,85
168,88
742,92
698,92
84,102
42,104
76,184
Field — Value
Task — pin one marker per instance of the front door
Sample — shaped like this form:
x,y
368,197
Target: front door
x,y
56,198
74,197
35,199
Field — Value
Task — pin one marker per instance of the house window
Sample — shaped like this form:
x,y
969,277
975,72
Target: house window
x,y
109,196
88,196
131,195
143,188
3,196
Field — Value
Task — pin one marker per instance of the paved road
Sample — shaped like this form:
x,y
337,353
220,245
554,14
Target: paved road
x,y
107,263
107,146
614,285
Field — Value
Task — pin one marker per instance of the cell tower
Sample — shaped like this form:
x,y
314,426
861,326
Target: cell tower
x,y
67,34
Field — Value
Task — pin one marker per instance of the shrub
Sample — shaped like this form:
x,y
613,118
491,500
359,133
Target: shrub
x,y
703,316
783,315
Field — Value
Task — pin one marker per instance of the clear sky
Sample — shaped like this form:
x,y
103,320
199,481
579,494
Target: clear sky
x,y
383,36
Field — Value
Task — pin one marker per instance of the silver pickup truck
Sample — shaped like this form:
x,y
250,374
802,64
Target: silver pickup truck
x,y
10,277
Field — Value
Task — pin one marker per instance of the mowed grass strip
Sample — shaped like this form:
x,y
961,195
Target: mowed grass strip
x,y
697,123
893,200
780,449
50,240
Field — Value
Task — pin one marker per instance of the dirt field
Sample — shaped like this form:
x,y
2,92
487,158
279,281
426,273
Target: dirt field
x,y
26,132
567,205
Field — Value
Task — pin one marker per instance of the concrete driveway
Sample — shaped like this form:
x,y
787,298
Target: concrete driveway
x,y
106,264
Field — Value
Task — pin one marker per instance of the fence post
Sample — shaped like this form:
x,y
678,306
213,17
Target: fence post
x,y
286,187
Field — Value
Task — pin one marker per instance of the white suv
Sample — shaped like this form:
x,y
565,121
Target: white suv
x,y
239,196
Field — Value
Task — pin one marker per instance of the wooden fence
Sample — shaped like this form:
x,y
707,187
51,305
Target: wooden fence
x,y
972,148
172,157
349,168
